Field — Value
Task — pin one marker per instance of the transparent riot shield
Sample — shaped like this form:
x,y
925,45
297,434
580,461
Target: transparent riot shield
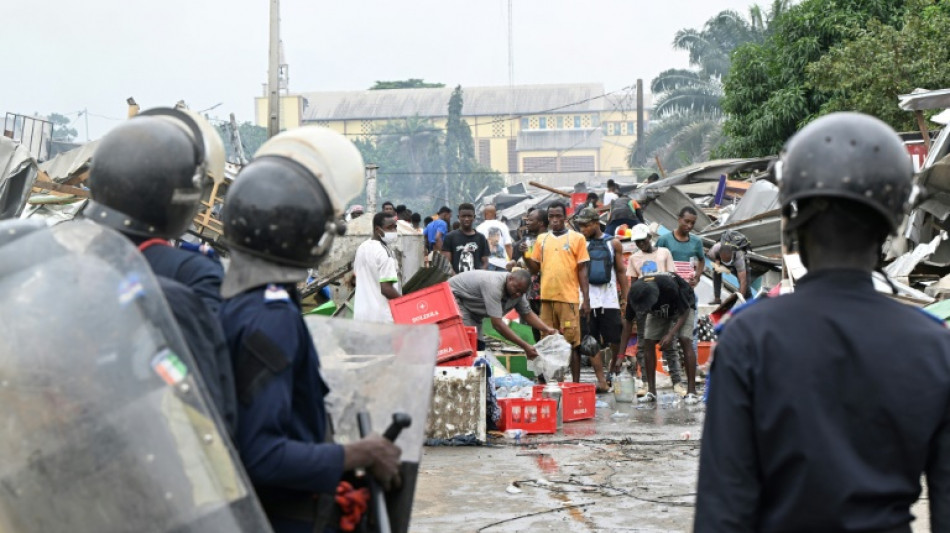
x,y
105,424
382,369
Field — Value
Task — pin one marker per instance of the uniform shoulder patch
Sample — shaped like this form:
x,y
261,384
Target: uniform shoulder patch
x,y
276,293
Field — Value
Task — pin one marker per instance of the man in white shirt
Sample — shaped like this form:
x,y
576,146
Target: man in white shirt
x,y
604,274
612,192
499,236
377,278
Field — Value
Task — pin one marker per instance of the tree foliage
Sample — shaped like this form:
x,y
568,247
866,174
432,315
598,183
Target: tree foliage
x,y
767,93
424,166
688,100
411,83
252,137
868,73
61,127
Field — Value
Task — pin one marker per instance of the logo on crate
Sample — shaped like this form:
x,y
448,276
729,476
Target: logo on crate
x,y
425,316
579,411
447,349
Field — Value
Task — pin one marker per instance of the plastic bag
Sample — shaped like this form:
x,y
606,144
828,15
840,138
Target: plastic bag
x,y
554,354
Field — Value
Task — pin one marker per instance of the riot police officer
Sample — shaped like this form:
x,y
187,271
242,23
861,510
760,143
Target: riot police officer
x,y
147,180
280,217
828,404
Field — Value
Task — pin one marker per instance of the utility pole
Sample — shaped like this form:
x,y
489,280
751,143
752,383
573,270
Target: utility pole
x,y
511,71
639,118
371,188
273,72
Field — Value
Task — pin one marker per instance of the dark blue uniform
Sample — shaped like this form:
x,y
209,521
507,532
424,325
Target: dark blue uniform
x,y
284,423
192,269
205,339
827,407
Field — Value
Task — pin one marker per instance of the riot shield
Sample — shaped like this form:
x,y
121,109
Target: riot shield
x,y
105,423
382,369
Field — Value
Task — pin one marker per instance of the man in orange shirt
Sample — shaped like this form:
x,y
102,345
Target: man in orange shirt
x,y
562,259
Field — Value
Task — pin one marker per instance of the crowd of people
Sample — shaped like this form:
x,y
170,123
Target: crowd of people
x,y
595,274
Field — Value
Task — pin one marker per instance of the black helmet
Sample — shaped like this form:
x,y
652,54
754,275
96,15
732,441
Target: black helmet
x,y
849,156
284,206
149,174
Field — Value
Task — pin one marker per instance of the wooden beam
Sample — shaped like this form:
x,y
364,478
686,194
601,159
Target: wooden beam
x,y
924,131
659,166
549,189
78,178
44,183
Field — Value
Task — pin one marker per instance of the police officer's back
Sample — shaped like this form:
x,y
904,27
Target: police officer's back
x,y
279,219
827,405
147,179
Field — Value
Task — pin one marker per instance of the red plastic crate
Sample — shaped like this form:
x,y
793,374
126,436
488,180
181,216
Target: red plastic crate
x,y
454,344
427,306
472,336
578,400
577,198
513,412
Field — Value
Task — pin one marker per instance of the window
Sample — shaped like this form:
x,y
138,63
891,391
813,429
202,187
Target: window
x,y
540,164
560,123
595,120
524,123
512,156
584,163
484,152
610,128
631,128
543,123
577,121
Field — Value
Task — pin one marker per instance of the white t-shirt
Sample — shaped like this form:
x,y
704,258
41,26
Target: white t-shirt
x,y
605,296
497,255
609,197
374,263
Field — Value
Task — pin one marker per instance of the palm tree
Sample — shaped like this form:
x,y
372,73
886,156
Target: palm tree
x,y
687,101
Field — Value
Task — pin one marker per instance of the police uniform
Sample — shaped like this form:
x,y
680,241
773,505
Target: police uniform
x,y
199,272
282,437
827,405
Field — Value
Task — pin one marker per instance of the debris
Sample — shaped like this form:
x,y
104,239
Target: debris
x,y
513,490
686,435
619,415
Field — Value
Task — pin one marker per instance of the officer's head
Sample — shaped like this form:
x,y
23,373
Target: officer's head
x,y
150,173
284,207
844,183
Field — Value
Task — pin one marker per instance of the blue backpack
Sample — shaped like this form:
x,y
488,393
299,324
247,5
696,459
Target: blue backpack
x,y
601,260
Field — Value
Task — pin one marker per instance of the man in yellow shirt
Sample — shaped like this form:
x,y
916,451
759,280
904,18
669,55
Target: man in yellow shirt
x,y
561,257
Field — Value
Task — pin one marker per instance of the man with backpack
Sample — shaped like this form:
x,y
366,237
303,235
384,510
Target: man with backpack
x,y
623,210
604,273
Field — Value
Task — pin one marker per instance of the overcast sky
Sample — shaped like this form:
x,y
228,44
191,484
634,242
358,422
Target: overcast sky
x,y
64,56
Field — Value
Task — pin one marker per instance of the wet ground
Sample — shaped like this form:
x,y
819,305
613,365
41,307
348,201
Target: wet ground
x,y
629,469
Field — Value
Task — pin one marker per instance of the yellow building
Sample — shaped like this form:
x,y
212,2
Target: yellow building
x,y
525,132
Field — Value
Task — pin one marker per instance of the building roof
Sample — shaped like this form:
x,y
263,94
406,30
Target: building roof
x,y
478,101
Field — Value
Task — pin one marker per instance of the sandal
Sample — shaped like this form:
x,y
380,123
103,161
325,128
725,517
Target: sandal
x,y
647,398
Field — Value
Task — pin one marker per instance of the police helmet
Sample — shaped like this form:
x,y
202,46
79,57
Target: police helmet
x,y
149,174
850,156
285,205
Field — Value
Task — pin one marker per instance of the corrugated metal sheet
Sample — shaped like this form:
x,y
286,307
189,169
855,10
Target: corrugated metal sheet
x,y
534,140
479,101
67,164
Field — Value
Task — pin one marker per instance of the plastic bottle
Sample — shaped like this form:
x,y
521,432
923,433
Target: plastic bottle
x,y
553,391
624,388
515,434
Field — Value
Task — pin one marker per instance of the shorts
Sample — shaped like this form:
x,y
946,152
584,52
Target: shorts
x,y
564,317
604,325
657,327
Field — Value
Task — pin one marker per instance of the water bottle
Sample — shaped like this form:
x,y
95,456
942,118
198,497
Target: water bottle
x,y
623,388
553,391
515,434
